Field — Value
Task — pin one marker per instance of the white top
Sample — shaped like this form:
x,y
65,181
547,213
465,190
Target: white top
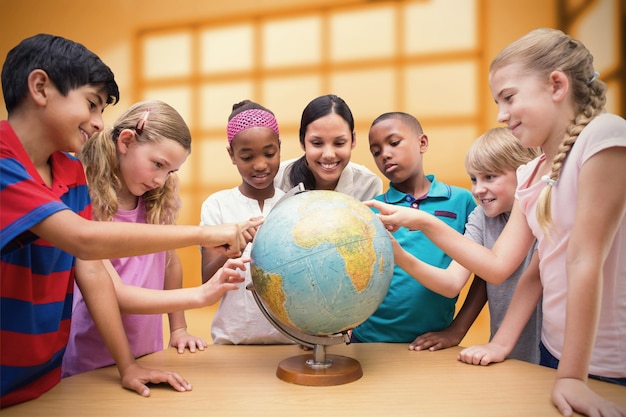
x,y
609,351
238,319
355,180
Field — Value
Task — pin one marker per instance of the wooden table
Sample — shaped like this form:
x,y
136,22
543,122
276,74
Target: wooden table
x,y
241,381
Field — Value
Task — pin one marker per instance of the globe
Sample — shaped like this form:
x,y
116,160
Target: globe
x,y
321,262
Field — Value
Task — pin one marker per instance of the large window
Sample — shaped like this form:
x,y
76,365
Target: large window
x,y
421,57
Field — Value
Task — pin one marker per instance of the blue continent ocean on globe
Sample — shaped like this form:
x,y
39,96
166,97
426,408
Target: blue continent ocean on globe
x,y
321,262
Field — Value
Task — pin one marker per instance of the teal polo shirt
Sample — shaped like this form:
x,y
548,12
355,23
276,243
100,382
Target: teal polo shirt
x,y
409,309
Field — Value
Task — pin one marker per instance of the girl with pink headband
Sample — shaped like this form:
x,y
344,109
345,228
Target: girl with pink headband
x,y
254,147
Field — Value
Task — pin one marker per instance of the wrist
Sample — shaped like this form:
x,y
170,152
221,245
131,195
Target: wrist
x,y
203,234
564,371
505,345
457,331
181,329
125,364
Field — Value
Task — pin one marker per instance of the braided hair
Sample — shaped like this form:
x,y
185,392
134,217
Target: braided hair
x,y
544,51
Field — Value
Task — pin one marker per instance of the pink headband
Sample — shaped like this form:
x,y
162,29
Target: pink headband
x,y
251,118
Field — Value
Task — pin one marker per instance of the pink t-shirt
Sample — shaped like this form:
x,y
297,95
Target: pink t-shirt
x,y
86,349
609,351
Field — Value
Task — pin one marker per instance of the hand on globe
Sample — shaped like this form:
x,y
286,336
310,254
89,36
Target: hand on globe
x,y
322,262
250,231
394,217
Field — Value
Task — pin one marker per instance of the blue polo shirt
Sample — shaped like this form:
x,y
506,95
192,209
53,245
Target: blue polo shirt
x,y
409,309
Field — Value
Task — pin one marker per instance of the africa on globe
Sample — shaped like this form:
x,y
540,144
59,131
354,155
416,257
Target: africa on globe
x,y
321,262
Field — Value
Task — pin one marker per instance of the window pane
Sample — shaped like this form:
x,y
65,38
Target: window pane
x,y
368,92
186,215
290,143
292,41
216,167
167,55
447,147
177,97
362,34
441,89
601,43
440,25
613,96
185,173
288,96
226,49
216,102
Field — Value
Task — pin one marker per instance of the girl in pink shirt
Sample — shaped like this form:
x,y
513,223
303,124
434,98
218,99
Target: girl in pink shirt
x,y
571,199
129,170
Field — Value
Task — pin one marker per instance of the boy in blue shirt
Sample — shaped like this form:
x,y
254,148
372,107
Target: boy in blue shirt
x,y
398,143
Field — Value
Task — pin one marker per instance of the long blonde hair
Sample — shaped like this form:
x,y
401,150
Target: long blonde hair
x,y
152,121
497,151
544,51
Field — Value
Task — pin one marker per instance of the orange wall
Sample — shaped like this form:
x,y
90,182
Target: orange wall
x,y
109,28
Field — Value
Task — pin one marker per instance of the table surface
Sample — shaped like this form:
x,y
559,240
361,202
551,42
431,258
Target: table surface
x,y
241,381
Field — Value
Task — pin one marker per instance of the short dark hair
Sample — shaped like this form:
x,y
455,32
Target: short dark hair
x,y
68,64
408,119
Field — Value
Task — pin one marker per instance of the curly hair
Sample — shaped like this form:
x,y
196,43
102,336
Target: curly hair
x,y
544,51
100,157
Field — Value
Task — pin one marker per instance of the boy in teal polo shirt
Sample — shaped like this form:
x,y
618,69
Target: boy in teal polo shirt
x,y
398,143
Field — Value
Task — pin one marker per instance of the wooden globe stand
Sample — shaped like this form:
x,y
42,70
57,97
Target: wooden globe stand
x,y
318,368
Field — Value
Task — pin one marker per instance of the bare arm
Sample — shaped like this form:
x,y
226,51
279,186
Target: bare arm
x,y
137,300
174,281
454,334
472,306
523,303
493,265
212,260
601,179
179,337
104,240
447,282
99,294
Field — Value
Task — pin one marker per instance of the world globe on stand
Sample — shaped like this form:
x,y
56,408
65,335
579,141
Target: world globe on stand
x,y
321,264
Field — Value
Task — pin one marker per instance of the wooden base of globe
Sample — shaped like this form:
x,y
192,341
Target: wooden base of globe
x,y
343,370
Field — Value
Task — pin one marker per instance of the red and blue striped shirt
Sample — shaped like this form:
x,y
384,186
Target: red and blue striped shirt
x,y
36,278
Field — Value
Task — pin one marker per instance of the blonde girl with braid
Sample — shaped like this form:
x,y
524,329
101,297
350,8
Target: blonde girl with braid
x,y
130,170
572,199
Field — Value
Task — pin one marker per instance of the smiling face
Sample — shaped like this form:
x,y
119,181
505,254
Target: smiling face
x,y
146,165
72,119
527,104
256,153
495,192
328,144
